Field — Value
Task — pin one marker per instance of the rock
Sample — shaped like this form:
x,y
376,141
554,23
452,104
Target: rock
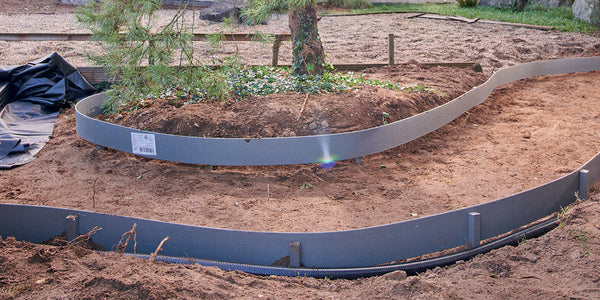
x,y
517,5
498,3
531,257
587,10
575,255
396,275
221,10
552,3
520,4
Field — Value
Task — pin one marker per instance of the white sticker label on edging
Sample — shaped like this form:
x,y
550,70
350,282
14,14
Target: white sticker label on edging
x,y
143,144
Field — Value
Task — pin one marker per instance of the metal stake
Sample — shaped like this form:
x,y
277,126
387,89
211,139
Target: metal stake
x,y
583,183
295,255
474,231
72,227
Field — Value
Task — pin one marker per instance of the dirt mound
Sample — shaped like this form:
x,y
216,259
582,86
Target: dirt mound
x,y
293,114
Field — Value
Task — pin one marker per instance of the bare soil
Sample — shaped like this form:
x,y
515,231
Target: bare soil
x,y
346,40
526,134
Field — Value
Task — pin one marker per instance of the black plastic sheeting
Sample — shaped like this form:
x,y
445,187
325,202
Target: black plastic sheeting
x,y
31,96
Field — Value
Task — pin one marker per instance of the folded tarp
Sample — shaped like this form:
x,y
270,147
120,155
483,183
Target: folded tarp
x,y
31,96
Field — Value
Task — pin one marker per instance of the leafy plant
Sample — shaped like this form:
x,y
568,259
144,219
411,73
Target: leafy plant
x,y
580,235
385,117
523,240
577,198
307,185
562,215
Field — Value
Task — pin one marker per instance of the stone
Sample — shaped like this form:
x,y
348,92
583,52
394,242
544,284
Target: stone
x,y
497,3
575,255
396,275
587,10
222,10
517,5
552,3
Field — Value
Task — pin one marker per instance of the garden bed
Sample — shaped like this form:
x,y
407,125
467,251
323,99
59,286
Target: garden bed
x,y
527,133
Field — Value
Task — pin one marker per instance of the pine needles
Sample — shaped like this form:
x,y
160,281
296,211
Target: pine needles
x,y
134,50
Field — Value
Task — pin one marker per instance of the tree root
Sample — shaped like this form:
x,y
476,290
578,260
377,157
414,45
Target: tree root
x,y
158,249
131,233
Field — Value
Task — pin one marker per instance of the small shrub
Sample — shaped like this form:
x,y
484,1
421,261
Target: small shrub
x,y
142,55
467,3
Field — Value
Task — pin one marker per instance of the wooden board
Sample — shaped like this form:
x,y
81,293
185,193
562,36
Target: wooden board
x,y
538,27
87,36
470,21
462,19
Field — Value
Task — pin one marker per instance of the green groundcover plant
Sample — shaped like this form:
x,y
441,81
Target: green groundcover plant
x,y
560,18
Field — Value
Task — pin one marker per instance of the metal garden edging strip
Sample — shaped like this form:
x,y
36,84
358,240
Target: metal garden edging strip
x,y
351,253
303,149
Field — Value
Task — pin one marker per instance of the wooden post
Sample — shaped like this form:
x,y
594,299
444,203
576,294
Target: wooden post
x,y
276,45
391,48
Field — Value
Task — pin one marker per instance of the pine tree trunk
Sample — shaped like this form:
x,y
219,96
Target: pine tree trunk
x,y
308,55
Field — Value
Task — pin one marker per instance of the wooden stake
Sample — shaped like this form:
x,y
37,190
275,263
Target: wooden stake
x,y
303,106
94,194
391,48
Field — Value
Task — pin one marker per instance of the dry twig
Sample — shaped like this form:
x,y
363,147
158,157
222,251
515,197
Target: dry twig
x,y
94,193
303,106
131,233
158,249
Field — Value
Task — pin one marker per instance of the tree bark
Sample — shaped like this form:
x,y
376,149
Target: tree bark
x,y
308,55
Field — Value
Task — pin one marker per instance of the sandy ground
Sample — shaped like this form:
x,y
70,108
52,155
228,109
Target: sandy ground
x,y
356,39
559,265
526,134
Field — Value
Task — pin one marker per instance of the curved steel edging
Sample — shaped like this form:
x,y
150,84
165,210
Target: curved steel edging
x,y
307,149
350,250
358,248
410,268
